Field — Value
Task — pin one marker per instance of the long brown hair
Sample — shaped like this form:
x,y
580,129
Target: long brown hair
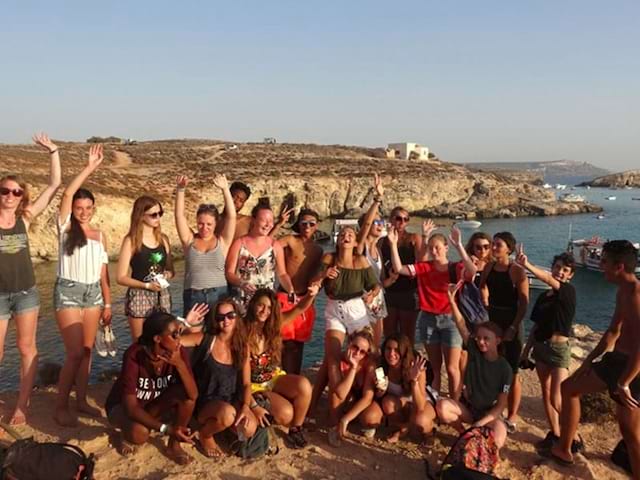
x,y
271,328
407,356
76,238
238,338
21,211
140,207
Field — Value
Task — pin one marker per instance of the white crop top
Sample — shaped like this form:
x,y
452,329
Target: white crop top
x,y
85,265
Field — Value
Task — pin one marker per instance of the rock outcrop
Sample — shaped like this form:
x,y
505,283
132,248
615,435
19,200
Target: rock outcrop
x,y
333,180
630,178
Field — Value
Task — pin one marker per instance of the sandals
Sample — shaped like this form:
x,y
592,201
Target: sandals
x,y
560,461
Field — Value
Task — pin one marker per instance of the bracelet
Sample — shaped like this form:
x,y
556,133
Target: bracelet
x,y
107,305
147,285
180,189
51,152
253,405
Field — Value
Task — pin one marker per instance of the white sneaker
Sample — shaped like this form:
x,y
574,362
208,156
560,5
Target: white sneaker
x,y
101,342
110,338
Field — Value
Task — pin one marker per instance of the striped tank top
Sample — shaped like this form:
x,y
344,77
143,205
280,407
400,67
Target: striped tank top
x,y
204,269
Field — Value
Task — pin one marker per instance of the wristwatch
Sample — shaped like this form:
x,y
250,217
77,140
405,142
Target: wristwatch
x,y
164,428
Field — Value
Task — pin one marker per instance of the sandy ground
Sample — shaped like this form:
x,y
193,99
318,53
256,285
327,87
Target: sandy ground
x,y
357,458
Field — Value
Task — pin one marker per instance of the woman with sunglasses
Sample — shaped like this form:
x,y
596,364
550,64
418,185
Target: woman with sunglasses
x,y
82,293
505,291
18,293
204,252
479,250
277,396
145,264
371,230
401,291
256,259
436,327
155,382
223,375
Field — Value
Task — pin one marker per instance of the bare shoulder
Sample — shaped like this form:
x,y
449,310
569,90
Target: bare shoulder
x,y
328,258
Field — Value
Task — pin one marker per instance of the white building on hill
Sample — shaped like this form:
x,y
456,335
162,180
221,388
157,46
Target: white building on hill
x,y
407,151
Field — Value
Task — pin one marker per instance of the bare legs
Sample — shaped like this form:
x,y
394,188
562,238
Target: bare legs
x,y
550,380
135,325
290,400
403,321
215,417
403,414
515,396
78,328
452,412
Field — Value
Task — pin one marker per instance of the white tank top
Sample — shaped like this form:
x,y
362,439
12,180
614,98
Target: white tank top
x,y
85,264
376,263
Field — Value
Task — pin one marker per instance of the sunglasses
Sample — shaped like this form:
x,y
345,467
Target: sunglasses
x,y
306,223
379,222
16,192
155,214
400,218
482,246
358,350
221,317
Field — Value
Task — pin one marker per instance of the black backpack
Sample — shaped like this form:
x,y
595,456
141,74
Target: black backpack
x,y
27,459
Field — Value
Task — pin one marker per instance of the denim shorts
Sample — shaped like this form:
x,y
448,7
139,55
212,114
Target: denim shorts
x,y
438,329
19,302
210,296
70,294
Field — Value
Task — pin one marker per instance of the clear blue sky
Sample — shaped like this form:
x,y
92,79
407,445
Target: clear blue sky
x,y
473,80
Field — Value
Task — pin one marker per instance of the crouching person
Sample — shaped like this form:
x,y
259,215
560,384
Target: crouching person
x,y
486,383
156,390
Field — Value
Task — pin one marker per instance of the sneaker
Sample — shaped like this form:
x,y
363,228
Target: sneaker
x,y
369,433
295,439
548,441
110,339
101,342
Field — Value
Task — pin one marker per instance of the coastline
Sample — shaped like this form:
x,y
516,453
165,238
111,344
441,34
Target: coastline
x,y
357,458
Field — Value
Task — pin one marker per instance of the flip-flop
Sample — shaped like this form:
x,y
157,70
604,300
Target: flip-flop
x,y
560,461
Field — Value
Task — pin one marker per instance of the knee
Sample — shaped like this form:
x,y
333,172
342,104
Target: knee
x,y
424,421
371,417
304,388
284,415
444,412
27,349
388,406
568,389
453,370
138,433
227,416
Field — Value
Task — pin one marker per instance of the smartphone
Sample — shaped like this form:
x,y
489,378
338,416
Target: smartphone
x,y
380,373
163,282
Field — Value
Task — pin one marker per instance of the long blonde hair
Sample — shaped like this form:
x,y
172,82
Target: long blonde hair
x,y
21,211
140,207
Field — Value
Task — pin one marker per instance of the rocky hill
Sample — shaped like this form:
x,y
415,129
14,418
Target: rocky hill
x,y
559,171
334,180
630,178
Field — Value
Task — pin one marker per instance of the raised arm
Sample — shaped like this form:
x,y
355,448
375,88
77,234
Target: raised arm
x,y
365,228
230,215
182,226
392,236
418,381
93,162
470,269
55,178
282,219
455,311
540,274
422,253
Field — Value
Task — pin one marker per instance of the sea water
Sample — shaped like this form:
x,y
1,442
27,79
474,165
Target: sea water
x,y
543,237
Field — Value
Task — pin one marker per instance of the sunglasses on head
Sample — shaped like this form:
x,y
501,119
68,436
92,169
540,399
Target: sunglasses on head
x,y
155,214
221,317
482,246
308,223
16,192
400,218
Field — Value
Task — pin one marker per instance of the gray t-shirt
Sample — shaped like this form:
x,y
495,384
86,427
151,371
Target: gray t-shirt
x,y
16,270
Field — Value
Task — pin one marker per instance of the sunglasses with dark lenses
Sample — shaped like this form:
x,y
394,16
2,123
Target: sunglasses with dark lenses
x,y
16,192
359,350
400,218
379,223
221,317
482,246
155,214
306,223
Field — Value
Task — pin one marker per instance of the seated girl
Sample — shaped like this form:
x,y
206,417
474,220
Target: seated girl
x,y
155,386
486,382
401,386
223,375
277,396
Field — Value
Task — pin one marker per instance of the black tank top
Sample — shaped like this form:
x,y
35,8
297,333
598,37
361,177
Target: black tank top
x,y
407,257
503,298
16,269
215,380
148,262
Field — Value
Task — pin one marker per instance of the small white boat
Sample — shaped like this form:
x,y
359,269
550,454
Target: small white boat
x,y
601,216
547,186
587,252
560,186
470,224
572,198
610,197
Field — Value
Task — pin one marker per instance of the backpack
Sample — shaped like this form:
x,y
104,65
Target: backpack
x,y
27,459
475,449
469,300
262,442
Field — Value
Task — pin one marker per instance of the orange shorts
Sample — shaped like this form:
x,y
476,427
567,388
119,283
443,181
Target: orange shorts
x,y
302,326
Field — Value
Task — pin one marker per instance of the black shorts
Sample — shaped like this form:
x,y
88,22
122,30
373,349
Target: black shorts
x,y
406,300
611,368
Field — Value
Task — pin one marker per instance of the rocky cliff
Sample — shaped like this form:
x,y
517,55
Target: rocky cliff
x,y
630,178
558,171
334,180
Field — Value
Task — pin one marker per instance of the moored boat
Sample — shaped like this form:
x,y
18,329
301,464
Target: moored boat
x,y
588,252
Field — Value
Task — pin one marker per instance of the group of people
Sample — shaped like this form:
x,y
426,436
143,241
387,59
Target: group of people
x,y
234,361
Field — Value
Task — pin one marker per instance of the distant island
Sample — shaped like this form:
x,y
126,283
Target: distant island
x,y
630,178
568,172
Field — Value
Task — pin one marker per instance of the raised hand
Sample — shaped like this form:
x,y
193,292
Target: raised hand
x,y
427,227
453,288
284,214
392,235
419,365
455,237
197,313
351,359
221,182
43,140
182,181
521,258
96,156
377,185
